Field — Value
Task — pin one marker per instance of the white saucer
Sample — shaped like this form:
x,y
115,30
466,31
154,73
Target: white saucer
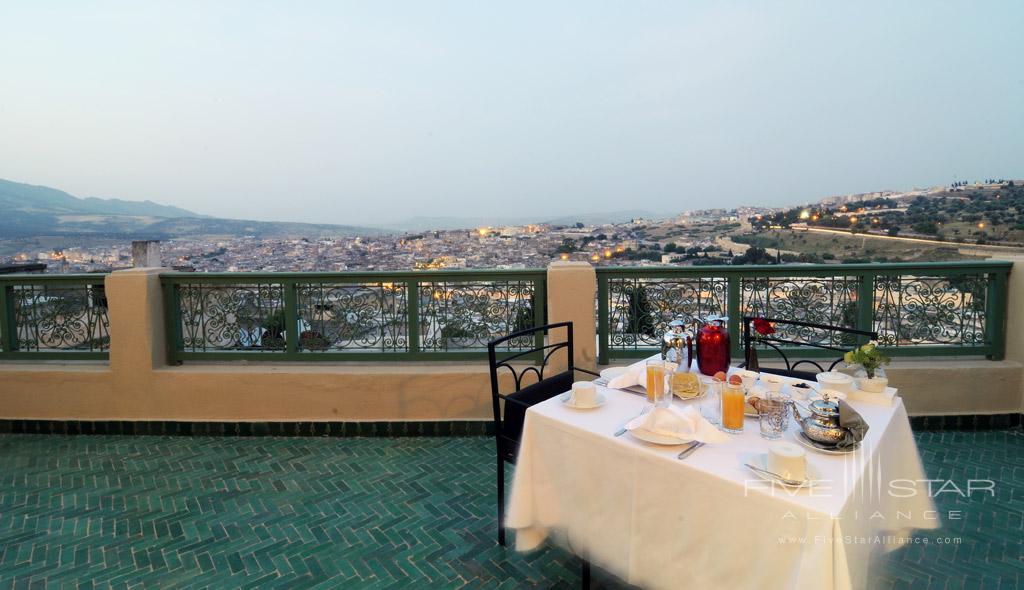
x,y
658,439
566,399
612,372
761,460
802,439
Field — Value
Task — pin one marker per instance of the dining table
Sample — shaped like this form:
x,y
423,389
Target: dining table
x,y
638,511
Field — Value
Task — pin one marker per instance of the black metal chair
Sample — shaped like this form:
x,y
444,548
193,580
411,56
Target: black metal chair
x,y
836,338
508,427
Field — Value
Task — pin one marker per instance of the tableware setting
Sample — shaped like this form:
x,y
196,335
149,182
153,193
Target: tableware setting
x,y
669,426
830,425
583,396
835,380
785,464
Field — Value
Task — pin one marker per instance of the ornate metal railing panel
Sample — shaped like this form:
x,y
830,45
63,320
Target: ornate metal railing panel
x,y
339,316
367,317
54,316
931,310
457,315
955,308
230,317
820,300
639,309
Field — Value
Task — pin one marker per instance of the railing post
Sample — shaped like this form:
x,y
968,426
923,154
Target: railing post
x,y
866,301
8,329
540,298
172,316
995,316
733,310
291,318
603,326
412,302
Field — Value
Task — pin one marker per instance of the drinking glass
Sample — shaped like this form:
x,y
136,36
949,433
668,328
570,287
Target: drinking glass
x,y
732,408
657,371
774,416
711,406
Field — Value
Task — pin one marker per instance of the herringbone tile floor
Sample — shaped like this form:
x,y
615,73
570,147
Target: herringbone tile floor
x,y
145,512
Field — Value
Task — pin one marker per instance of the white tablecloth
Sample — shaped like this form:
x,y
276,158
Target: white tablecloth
x,y
707,521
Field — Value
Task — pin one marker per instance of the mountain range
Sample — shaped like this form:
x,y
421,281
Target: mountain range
x,y
30,210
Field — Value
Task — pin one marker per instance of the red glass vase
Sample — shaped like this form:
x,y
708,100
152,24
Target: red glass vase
x,y
713,347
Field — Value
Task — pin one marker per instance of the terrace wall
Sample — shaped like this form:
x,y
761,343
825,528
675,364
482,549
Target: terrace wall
x,y
139,384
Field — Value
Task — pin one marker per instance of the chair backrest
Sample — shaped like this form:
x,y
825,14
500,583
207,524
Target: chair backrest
x,y
530,389
820,336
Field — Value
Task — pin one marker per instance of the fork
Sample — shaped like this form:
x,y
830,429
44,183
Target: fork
x,y
690,449
622,430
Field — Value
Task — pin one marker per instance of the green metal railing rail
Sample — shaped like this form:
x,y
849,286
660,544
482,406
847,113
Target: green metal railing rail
x,y
53,317
388,316
926,309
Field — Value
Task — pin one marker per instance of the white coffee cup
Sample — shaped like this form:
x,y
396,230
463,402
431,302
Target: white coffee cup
x,y
749,378
584,393
788,460
772,382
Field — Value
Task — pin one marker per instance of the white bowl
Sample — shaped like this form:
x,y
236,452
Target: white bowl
x,y
835,380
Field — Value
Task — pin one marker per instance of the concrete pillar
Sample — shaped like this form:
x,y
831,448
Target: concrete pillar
x,y
571,288
146,253
1015,312
138,342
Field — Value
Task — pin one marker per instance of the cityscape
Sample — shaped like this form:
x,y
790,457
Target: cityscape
x,y
956,222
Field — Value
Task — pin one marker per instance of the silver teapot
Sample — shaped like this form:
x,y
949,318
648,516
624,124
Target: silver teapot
x,y
822,425
677,344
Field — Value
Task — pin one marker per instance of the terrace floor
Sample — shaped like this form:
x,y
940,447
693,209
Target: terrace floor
x,y
124,511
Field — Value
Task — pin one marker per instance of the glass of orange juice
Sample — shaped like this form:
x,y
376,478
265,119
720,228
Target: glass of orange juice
x,y
732,408
657,372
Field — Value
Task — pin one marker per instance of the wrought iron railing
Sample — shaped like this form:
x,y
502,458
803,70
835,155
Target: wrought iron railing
x,y
436,315
53,317
947,308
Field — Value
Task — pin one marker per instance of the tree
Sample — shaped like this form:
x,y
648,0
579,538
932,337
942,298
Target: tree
x,y
524,316
893,231
638,314
568,245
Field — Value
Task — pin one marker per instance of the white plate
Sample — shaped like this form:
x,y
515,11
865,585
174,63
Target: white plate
x,y
761,460
612,372
658,439
802,439
567,402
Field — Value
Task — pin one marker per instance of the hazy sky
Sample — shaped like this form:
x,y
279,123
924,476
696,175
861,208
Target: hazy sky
x,y
365,112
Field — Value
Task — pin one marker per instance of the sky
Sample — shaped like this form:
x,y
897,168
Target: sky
x,y
377,111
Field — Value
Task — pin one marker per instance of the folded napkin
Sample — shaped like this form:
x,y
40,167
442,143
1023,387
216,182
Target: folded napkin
x,y
635,375
686,423
853,425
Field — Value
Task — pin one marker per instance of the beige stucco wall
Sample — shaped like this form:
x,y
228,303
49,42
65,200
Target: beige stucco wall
x,y
137,384
571,289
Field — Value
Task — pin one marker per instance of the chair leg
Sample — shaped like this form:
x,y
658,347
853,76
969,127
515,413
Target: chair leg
x,y
501,501
585,574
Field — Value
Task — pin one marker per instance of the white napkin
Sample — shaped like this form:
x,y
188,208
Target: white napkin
x,y
686,423
635,375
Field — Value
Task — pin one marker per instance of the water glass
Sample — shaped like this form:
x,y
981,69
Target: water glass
x,y
774,416
710,406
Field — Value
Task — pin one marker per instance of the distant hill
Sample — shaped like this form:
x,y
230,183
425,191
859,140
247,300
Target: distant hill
x,y
441,223
30,198
30,210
